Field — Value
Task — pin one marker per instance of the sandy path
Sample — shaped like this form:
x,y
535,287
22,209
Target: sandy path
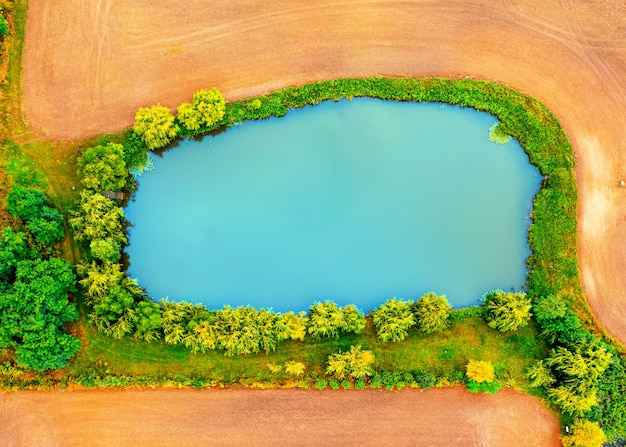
x,y
442,417
90,63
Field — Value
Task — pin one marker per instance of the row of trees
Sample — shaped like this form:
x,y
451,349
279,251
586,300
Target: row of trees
x,y
157,127
34,286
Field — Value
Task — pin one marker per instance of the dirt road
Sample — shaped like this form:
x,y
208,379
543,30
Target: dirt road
x,y
437,417
89,64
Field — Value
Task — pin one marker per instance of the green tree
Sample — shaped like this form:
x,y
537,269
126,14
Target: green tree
x,y
4,26
13,248
47,228
480,371
539,375
26,203
328,320
98,218
585,434
506,311
105,250
147,320
102,168
355,363
432,313
557,321
573,402
393,319
189,117
33,311
155,126
210,106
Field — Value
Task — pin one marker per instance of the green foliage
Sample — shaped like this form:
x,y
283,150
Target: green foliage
x,y
98,218
484,387
33,310
334,384
105,250
424,379
480,371
359,384
609,412
147,320
432,313
328,320
540,375
355,363
26,203
13,248
4,26
295,368
584,433
205,112
155,126
103,168
135,151
506,311
393,319
558,322
321,384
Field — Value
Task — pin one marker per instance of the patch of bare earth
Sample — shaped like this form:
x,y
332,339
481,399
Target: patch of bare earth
x,y
437,417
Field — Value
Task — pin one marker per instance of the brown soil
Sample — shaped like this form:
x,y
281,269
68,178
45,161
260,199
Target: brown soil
x,y
89,64
437,417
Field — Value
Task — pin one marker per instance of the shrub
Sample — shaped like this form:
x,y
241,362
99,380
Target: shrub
x,y
328,320
424,379
480,371
346,385
321,384
4,26
359,384
294,368
432,313
506,311
585,434
155,126
393,319
355,363
334,384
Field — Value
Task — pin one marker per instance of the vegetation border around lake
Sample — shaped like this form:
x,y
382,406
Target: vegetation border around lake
x,y
562,318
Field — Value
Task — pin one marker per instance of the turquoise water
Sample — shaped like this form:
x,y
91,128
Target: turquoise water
x,y
357,201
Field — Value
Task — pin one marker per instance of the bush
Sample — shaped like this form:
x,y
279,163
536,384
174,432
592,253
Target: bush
x,y
155,126
585,434
334,384
321,384
506,311
432,313
424,379
480,371
393,319
359,384
4,26
355,363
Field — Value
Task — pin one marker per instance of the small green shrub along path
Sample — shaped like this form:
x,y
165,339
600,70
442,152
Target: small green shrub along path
x,y
560,354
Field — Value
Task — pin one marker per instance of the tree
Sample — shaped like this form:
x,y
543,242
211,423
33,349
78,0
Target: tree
x,y
210,105
155,126
393,319
539,375
13,248
189,117
585,433
47,228
98,218
328,320
480,371
147,320
432,313
4,26
26,203
556,319
572,402
33,311
206,110
102,168
355,363
105,250
506,311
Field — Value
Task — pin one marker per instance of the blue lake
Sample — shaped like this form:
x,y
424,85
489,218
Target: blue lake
x,y
356,201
